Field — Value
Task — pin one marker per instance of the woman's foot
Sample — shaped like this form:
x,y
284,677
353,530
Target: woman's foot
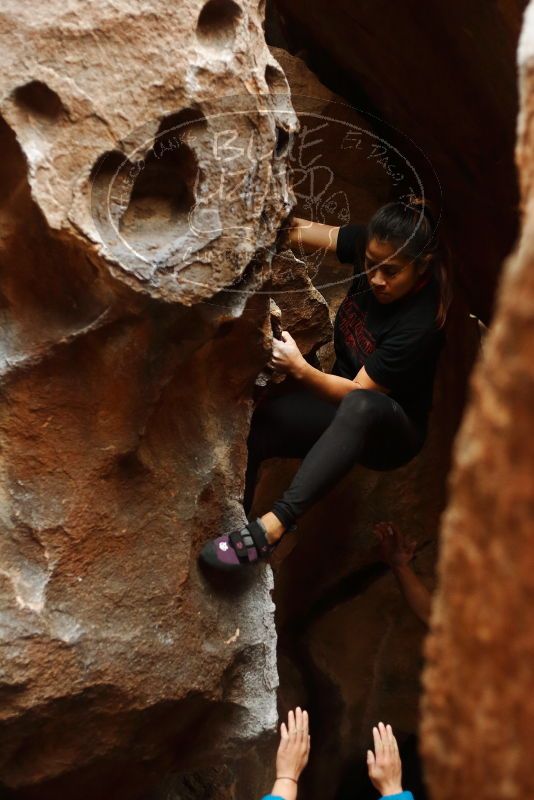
x,y
253,542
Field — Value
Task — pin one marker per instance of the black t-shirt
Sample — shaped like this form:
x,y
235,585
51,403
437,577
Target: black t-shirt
x,y
398,343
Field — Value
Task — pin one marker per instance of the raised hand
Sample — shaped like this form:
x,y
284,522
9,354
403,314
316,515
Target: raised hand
x,y
395,549
384,765
294,747
292,755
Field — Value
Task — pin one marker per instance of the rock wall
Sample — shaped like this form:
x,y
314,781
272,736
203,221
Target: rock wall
x,y
144,172
479,707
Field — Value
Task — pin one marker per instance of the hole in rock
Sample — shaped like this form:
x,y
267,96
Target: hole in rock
x,y
264,219
218,22
131,466
282,142
276,80
110,190
39,100
182,125
224,329
280,93
162,194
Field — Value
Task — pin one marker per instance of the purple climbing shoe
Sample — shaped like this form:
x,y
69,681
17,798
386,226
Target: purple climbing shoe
x,y
240,548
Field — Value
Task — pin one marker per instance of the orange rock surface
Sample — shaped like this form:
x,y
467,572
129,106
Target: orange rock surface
x,y
479,703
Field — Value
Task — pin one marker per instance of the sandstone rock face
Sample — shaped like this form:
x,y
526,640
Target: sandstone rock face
x,y
304,311
479,706
153,185
144,171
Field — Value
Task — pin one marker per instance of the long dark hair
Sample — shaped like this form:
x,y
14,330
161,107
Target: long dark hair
x,y
412,228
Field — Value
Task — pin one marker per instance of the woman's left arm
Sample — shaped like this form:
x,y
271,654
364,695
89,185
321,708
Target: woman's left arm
x,y
288,359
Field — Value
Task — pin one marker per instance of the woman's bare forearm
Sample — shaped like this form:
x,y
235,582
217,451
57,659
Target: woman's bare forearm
x,y
313,235
417,595
330,387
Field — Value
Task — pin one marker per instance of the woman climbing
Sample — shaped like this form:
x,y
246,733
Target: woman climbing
x,y
372,409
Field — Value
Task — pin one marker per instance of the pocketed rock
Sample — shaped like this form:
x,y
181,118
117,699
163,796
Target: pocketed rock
x,y
136,194
295,306
304,311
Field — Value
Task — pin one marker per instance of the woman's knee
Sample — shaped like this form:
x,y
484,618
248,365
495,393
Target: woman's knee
x,y
363,406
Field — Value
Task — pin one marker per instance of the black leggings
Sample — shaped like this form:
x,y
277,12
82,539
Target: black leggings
x,y
367,428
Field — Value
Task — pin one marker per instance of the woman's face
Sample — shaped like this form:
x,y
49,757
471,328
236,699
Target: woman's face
x,y
390,276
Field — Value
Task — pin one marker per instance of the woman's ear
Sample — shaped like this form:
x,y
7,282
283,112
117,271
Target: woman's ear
x,y
423,263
